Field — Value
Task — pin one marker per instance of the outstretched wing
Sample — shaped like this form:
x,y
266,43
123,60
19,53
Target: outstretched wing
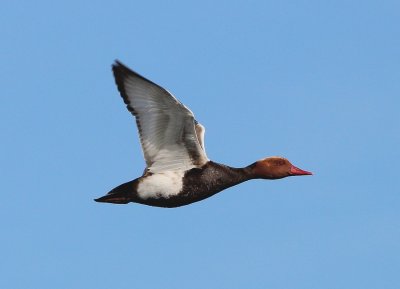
x,y
170,138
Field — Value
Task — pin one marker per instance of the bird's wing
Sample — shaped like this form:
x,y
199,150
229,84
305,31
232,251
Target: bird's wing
x,y
169,136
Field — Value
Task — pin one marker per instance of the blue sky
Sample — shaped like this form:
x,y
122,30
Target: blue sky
x,y
314,81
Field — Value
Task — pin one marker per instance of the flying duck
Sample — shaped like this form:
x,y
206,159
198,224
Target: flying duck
x,y
178,171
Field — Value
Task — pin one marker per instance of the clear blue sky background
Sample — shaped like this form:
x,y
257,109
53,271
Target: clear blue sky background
x,y
314,81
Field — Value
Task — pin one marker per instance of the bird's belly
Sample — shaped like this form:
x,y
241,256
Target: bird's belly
x,y
168,190
171,201
179,188
160,185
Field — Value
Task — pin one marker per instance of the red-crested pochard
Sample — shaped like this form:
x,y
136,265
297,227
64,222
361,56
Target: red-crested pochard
x,y
178,170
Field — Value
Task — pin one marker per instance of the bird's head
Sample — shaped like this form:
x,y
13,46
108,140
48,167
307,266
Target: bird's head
x,y
276,168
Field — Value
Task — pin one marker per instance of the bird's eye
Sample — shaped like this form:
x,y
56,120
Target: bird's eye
x,y
279,163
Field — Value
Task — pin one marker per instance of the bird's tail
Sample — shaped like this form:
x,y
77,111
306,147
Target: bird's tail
x,y
117,198
122,194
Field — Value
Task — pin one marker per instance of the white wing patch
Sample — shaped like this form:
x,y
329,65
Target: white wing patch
x,y
200,131
161,185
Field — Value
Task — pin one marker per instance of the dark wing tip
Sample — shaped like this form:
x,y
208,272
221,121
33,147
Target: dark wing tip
x,y
118,67
121,71
117,62
121,74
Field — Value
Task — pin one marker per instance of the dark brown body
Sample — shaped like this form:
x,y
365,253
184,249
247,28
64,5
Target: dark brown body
x,y
201,183
198,184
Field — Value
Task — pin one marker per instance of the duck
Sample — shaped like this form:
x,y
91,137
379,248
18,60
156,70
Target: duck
x,y
178,171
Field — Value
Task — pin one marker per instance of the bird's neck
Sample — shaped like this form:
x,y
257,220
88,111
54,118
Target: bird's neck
x,y
231,176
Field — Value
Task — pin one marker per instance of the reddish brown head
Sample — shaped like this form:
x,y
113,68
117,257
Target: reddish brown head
x,y
276,168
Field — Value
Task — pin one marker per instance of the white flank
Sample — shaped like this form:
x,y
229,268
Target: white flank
x,y
161,185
